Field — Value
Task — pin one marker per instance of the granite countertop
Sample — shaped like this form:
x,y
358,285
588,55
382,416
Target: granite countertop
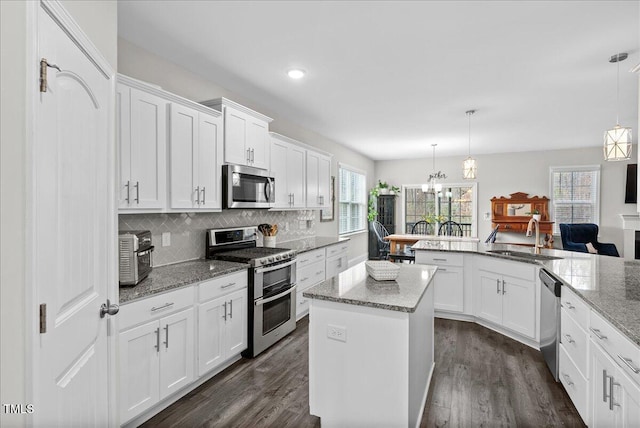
x,y
169,277
309,244
355,287
610,285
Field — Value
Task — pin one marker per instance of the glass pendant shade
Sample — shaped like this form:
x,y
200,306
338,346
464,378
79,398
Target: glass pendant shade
x,y
617,143
469,168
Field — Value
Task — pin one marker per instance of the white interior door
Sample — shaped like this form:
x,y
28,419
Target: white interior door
x,y
74,230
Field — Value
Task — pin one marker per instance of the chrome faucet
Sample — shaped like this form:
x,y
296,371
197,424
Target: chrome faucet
x,y
537,245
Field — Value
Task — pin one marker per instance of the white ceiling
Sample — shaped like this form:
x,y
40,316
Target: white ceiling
x,y
389,78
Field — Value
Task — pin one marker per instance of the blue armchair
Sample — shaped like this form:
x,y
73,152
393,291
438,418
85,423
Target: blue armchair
x,y
576,236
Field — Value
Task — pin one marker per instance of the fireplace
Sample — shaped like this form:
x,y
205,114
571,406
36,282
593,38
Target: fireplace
x,y
631,234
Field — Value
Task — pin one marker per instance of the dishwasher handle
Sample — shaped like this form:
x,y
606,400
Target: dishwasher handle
x,y
551,282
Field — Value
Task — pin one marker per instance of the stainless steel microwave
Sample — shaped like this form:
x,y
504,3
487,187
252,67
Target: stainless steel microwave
x,y
247,187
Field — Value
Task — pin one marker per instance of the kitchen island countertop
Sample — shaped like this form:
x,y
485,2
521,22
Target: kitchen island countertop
x,y
610,285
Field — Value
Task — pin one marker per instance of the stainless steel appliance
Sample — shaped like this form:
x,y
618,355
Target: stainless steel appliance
x,y
272,284
550,320
247,187
135,260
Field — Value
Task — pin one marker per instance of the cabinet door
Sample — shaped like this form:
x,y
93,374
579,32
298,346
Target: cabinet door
x,y
296,175
211,334
603,370
148,150
313,165
123,135
489,303
279,172
235,137
324,181
258,143
449,289
139,387
176,352
236,324
518,306
335,265
630,399
184,155
210,161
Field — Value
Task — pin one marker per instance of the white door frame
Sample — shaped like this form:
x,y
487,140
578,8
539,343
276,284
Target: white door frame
x,y
32,355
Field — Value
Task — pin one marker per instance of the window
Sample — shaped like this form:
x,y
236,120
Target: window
x,y
456,202
574,195
353,200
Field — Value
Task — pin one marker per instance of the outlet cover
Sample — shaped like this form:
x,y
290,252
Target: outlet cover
x,y
166,239
337,332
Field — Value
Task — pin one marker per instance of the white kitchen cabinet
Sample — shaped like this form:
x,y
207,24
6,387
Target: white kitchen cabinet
x,y
195,159
506,296
141,132
448,281
336,259
156,360
309,272
615,398
318,180
246,134
288,169
222,320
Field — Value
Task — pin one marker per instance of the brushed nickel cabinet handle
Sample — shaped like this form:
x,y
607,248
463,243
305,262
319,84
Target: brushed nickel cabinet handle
x,y
166,336
497,286
128,185
248,155
157,339
569,338
204,200
166,305
231,309
568,305
225,311
231,284
138,192
628,362
198,195
568,379
504,290
604,386
598,333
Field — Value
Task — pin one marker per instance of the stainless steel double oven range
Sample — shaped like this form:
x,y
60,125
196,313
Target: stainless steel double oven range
x,y
272,283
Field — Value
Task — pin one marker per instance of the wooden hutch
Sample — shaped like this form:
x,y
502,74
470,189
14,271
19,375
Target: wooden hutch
x,y
513,214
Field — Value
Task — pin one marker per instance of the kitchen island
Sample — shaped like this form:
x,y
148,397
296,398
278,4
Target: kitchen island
x,y
371,347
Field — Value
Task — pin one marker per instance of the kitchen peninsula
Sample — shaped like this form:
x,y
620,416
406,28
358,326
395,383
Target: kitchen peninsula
x,y
371,352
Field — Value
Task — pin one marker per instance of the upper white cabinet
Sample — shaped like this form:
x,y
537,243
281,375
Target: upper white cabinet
x,y
288,169
246,134
195,158
141,131
506,295
318,180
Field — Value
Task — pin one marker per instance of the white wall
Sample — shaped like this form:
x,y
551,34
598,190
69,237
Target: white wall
x,y
503,174
98,19
141,64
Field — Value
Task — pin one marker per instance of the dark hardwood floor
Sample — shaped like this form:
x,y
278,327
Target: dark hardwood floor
x,y
481,379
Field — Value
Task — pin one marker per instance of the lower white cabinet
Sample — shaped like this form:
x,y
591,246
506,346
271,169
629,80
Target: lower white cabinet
x,y
615,398
156,360
506,296
337,260
448,281
222,331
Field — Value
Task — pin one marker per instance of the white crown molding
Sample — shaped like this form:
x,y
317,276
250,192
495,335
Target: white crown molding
x,y
218,103
306,146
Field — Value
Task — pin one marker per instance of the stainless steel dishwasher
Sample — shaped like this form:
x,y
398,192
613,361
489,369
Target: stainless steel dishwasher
x,y
550,320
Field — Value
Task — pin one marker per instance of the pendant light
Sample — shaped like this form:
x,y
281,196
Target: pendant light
x,y
469,165
433,184
617,141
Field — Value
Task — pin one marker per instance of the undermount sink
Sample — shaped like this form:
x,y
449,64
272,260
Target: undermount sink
x,y
524,255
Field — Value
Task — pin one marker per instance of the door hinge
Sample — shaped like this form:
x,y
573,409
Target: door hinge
x,y
43,318
43,73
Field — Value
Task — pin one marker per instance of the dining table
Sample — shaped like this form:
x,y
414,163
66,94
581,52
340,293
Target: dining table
x,y
399,241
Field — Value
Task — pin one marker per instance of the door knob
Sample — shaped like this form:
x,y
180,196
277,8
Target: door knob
x,y
108,309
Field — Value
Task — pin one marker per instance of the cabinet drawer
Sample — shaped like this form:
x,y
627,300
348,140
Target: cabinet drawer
x,y
575,307
575,341
220,286
335,265
155,307
616,344
337,249
302,305
525,271
515,227
310,257
574,383
310,275
440,258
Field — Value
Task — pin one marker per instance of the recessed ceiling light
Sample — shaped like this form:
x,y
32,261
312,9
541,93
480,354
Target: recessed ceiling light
x,y
296,73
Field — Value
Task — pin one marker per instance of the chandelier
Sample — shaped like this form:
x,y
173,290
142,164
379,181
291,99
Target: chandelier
x,y
433,185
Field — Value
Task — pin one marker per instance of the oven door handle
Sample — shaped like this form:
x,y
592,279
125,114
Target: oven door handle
x,y
260,301
276,267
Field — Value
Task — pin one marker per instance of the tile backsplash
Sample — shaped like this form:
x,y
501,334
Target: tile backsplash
x,y
188,229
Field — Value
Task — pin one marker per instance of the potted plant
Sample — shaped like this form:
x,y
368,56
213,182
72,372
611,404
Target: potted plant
x,y
536,215
395,190
383,187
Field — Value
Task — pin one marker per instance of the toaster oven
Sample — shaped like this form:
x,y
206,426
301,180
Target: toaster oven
x,y
134,256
